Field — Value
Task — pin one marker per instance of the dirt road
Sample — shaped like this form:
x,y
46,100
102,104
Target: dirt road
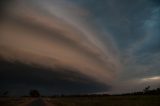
x,y
39,102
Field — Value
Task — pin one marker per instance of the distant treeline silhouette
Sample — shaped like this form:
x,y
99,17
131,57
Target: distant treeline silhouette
x,y
35,93
146,91
4,93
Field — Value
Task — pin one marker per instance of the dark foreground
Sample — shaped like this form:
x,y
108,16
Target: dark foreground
x,y
84,101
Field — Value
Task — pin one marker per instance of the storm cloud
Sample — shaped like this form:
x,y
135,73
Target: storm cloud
x,y
114,45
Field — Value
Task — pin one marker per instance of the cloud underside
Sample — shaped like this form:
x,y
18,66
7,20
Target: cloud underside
x,y
19,78
49,37
110,43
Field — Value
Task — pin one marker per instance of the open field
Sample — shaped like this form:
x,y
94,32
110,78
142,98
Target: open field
x,y
84,101
108,101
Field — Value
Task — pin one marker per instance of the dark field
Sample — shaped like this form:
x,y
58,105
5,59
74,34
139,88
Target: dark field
x,y
108,101
85,101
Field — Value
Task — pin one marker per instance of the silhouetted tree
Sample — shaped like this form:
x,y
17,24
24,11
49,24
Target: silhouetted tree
x,y
146,89
34,93
4,93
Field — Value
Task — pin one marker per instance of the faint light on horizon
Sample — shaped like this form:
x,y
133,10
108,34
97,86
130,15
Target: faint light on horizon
x,y
155,78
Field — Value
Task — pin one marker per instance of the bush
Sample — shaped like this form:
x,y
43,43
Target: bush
x,y
34,93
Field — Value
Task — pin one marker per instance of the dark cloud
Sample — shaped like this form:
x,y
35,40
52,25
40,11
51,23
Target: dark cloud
x,y
134,28
3,4
55,35
123,19
129,30
20,78
156,2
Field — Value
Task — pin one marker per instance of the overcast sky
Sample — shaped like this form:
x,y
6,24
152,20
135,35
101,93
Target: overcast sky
x,y
79,46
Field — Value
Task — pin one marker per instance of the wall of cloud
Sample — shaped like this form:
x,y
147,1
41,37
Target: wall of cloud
x,y
55,34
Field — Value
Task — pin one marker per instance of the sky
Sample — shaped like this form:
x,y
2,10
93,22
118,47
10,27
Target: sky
x,y
79,46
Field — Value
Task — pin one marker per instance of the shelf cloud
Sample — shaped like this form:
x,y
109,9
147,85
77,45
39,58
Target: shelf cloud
x,y
110,45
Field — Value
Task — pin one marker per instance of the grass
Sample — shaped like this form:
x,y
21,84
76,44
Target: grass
x,y
107,101
90,101
12,101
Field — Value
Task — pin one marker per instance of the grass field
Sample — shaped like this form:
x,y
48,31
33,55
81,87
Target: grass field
x,y
108,101
91,101
13,101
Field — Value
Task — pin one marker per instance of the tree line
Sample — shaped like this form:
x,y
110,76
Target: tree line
x,y
146,91
35,93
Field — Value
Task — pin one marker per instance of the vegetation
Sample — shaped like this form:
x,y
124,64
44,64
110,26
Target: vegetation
x,y
107,101
34,93
146,91
147,97
142,100
4,93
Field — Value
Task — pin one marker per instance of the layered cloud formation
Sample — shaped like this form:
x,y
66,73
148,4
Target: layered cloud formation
x,y
48,34
109,42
